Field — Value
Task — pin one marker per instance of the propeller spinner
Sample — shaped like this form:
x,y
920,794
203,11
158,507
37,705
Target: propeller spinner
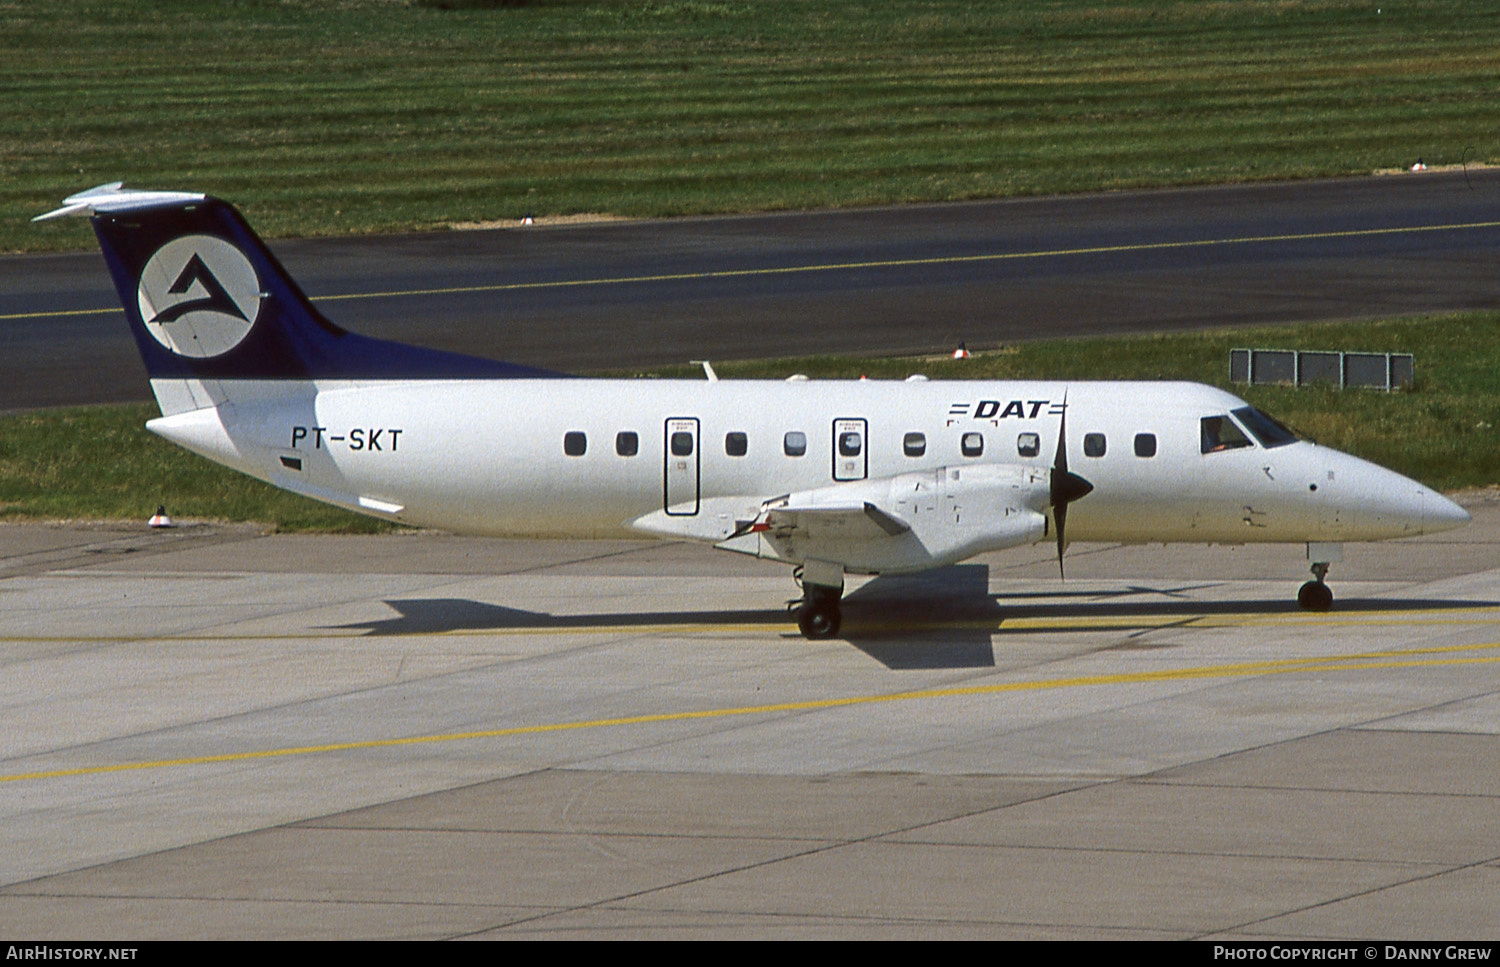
x,y
1065,486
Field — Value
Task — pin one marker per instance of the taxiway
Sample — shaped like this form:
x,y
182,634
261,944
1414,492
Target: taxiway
x,y
209,732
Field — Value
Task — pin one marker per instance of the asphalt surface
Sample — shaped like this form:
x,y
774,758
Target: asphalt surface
x,y
213,733
912,279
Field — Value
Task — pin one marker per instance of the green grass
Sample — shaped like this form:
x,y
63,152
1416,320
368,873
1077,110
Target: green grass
x,y
1445,431
99,462
339,116
323,117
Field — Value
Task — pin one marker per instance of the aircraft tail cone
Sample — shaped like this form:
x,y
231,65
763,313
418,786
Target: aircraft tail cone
x,y
160,518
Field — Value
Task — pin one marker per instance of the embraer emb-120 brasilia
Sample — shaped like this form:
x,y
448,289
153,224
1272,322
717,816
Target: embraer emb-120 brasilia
x,y
833,477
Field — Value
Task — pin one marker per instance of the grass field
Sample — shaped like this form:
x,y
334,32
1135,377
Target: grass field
x,y
339,116
1444,431
99,462
324,117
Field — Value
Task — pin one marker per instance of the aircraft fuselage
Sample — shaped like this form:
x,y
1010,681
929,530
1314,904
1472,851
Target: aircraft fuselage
x,y
588,457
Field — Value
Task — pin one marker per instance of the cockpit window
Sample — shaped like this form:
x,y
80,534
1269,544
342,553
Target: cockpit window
x,y
1268,430
1221,433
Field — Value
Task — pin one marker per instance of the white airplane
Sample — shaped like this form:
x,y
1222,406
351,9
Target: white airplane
x,y
835,477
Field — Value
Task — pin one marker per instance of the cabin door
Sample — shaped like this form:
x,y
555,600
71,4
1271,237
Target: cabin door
x,y
851,458
681,468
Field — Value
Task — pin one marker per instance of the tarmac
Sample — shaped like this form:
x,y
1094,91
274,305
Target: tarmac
x,y
210,732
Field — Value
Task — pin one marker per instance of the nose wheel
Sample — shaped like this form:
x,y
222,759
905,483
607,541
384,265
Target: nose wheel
x,y
1315,595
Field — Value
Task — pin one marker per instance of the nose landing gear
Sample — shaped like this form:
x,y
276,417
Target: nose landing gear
x,y
1315,594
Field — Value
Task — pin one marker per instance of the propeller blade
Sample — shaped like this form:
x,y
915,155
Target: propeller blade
x,y
1064,486
1060,514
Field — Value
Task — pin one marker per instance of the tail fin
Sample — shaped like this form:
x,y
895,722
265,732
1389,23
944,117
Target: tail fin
x,y
206,300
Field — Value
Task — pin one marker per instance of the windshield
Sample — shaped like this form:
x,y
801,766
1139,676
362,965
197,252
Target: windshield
x,y
1267,429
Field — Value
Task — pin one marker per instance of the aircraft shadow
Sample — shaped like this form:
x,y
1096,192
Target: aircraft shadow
x,y
937,619
438,615
946,618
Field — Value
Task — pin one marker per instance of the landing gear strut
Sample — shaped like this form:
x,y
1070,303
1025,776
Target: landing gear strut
x,y
1315,594
819,616
822,586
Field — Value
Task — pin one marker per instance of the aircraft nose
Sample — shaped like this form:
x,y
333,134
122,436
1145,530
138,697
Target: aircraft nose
x,y
1441,514
1374,503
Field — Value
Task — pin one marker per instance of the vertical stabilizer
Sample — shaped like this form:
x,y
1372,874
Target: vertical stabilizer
x,y
209,304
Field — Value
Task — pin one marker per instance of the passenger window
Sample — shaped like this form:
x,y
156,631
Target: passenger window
x,y
575,443
736,444
682,444
795,443
972,444
850,444
1093,444
1219,433
914,444
627,444
1028,444
1145,444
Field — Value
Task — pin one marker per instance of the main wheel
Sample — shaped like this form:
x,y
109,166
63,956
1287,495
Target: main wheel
x,y
819,618
1315,596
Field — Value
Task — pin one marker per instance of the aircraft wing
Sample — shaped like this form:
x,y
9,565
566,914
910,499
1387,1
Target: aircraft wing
x,y
902,523
861,520
805,516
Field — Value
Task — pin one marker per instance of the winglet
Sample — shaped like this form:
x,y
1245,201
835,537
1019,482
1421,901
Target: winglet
x,y
113,198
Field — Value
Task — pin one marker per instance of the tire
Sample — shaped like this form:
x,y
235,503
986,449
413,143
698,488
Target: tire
x,y
1315,596
819,619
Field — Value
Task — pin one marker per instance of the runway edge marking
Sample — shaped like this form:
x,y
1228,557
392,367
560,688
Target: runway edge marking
x,y
840,266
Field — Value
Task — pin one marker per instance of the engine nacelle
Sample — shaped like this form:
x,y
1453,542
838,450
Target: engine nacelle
x,y
912,521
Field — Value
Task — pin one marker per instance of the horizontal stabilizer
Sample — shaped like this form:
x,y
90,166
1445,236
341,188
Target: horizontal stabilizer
x,y
113,199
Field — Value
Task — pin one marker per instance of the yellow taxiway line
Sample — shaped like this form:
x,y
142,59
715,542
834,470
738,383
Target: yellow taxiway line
x,y
578,625
1427,657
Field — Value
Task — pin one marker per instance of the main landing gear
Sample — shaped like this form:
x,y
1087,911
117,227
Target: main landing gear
x,y
1315,594
818,616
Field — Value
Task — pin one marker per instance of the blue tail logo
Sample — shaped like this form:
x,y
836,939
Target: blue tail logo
x,y
206,299
199,296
